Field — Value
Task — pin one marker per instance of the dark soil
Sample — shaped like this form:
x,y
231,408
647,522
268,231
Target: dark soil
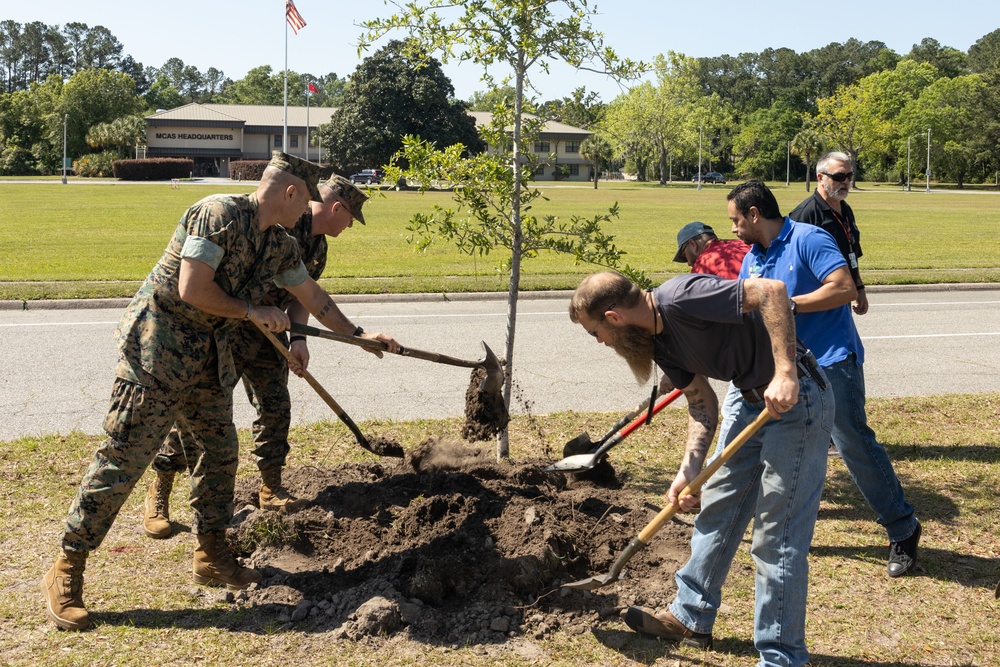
x,y
450,546
485,412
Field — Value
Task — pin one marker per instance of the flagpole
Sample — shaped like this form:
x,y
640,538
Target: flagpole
x,y
284,136
308,95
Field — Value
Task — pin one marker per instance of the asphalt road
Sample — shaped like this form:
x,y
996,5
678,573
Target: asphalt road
x,y
58,364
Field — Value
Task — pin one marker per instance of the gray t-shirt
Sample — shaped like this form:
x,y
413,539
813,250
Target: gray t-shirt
x,y
705,332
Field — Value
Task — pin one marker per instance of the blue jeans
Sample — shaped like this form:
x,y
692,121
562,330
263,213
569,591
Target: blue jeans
x,y
775,479
863,455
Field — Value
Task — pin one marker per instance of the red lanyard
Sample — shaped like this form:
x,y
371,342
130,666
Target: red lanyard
x,y
846,228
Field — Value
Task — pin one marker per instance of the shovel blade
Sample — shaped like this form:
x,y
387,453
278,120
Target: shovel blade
x,y
493,382
592,583
578,463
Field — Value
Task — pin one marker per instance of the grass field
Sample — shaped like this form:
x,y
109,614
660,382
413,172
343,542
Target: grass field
x,y
946,451
83,240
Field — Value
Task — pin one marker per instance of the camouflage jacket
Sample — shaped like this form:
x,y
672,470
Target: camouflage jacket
x,y
175,342
313,251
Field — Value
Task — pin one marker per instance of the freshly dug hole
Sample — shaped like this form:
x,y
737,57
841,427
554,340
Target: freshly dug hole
x,y
451,546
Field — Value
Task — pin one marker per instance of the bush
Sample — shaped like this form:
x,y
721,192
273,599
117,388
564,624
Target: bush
x,y
95,165
153,169
17,161
253,170
247,170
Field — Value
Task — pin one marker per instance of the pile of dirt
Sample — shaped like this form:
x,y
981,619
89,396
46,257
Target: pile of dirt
x,y
450,546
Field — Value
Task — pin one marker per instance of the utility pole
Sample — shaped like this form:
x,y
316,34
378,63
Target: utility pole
x,y
788,165
65,120
928,159
699,157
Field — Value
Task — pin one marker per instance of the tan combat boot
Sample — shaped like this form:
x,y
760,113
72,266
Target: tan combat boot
x,y
62,587
156,510
275,497
214,566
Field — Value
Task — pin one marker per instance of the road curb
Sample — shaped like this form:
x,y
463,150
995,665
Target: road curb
x,y
81,304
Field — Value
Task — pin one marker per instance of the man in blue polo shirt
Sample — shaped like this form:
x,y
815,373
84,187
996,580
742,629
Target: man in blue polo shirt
x,y
808,261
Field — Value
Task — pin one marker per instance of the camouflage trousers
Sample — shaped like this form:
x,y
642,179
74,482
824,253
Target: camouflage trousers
x,y
264,372
140,416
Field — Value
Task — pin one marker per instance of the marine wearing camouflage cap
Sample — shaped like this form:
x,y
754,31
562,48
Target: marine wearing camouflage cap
x,y
307,171
352,197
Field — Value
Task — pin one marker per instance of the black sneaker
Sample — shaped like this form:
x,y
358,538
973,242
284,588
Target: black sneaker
x,y
903,555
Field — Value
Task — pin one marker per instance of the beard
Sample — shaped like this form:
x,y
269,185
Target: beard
x,y
836,191
635,346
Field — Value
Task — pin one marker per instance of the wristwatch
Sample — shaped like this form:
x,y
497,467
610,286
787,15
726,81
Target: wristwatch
x,y
795,308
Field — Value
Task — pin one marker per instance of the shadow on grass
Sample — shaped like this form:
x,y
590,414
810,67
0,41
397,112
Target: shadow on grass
x,y
649,650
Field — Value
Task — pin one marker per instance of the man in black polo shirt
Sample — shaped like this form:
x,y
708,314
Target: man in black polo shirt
x,y
827,208
700,326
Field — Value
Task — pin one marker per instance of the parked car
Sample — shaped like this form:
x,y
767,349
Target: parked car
x,y
709,177
367,176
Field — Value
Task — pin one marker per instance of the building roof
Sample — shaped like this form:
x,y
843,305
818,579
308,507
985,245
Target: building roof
x,y
250,114
550,127
256,115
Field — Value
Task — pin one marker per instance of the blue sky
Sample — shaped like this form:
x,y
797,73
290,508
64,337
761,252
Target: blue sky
x,y
237,36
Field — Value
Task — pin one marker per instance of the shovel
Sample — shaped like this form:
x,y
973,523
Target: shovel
x,y
387,449
492,383
582,443
645,537
583,462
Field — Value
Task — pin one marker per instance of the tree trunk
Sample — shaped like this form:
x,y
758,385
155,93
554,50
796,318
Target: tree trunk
x,y
597,173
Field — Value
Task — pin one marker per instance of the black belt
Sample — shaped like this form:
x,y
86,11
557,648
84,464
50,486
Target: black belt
x,y
804,365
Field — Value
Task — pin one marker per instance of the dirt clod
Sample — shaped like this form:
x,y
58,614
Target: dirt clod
x,y
485,412
451,546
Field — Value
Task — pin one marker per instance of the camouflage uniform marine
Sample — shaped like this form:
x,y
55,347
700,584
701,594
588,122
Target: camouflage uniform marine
x,y
263,369
175,362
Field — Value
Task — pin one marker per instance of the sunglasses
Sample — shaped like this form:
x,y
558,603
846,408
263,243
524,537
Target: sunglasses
x,y
841,177
593,332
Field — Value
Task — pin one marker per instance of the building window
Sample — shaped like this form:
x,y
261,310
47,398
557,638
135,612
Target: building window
x,y
277,141
293,141
540,170
572,146
574,170
542,147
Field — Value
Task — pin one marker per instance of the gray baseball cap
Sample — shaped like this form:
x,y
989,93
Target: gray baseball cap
x,y
689,231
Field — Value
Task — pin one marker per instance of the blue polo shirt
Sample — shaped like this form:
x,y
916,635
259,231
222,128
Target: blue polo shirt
x,y
802,256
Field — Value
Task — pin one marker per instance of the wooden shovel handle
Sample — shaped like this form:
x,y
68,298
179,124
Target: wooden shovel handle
x,y
695,485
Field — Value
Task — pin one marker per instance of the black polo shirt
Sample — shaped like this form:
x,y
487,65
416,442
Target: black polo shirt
x,y
843,228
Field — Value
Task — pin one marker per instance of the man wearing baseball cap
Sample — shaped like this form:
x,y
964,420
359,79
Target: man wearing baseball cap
x,y
176,364
704,252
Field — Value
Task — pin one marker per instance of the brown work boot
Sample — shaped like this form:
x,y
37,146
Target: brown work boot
x,y
275,497
156,510
662,624
62,587
214,566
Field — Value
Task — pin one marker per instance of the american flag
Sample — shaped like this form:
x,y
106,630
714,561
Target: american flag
x,y
294,18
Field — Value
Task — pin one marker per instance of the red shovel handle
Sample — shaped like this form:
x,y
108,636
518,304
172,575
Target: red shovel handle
x,y
641,419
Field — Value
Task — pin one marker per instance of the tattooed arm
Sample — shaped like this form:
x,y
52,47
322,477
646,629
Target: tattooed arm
x,y
771,299
703,418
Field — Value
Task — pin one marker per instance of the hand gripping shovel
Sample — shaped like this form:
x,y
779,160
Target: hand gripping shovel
x,y
386,449
582,462
645,537
492,383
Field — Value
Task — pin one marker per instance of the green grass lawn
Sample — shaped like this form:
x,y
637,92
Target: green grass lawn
x,y
945,449
86,235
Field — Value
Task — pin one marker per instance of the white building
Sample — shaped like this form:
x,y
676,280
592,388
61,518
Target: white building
x,y
214,134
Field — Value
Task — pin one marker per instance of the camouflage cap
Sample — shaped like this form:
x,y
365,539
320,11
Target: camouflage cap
x,y
307,171
353,198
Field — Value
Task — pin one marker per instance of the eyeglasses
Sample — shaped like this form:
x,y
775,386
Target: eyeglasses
x,y
841,177
593,332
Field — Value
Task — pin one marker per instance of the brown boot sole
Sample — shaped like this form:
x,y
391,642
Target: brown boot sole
x,y
61,623
218,583
161,535
643,621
